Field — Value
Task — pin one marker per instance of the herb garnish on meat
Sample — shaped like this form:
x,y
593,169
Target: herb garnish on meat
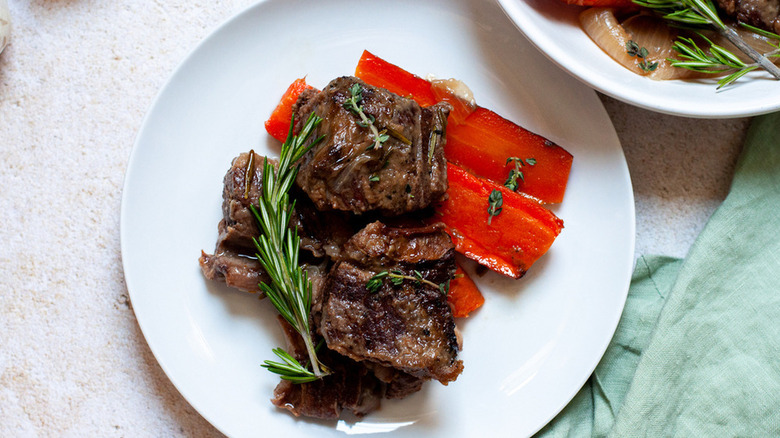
x,y
397,277
355,105
277,250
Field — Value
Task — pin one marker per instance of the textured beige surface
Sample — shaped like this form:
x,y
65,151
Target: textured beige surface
x,y
75,83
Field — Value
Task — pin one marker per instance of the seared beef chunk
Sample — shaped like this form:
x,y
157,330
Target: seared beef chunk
x,y
322,233
349,171
764,14
351,386
233,260
407,326
237,271
399,383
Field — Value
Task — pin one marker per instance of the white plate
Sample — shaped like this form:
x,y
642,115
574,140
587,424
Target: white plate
x,y
553,27
526,352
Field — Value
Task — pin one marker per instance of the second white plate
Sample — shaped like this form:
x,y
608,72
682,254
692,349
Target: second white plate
x,y
526,352
553,27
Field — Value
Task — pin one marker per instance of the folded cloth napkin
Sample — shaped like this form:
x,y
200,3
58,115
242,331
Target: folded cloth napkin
x,y
697,350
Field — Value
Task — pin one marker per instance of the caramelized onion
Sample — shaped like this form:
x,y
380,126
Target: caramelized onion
x,y
603,27
612,32
653,34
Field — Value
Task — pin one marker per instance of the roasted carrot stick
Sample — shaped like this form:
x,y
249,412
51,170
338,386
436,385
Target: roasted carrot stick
x,y
508,240
278,125
464,296
483,141
380,73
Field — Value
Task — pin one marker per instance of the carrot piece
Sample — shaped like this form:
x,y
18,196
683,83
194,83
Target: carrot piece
x,y
278,125
484,142
480,139
380,73
461,109
513,240
464,295
376,71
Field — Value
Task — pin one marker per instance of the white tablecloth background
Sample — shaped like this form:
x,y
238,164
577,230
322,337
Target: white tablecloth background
x,y
75,83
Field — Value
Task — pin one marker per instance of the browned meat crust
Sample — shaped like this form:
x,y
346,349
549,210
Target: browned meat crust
x,y
351,386
764,14
233,261
347,171
408,326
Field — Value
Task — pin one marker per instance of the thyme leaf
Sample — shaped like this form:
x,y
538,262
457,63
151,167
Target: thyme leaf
x,y
495,203
354,104
515,174
397,277
633,49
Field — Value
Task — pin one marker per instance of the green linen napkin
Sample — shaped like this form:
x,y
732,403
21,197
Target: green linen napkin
x,y
697,350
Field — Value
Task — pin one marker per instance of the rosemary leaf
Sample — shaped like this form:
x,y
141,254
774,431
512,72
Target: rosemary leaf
x,y
278,249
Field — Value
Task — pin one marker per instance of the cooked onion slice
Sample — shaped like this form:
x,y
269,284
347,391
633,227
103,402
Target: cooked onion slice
x,y
603,27
653,34
611,35
612,32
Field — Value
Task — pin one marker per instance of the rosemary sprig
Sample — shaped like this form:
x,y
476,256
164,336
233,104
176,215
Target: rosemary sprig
x,y
277,250
514,174
703,14
354,104
290,369
718,61
397,277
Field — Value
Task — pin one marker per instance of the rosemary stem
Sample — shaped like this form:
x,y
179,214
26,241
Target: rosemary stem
x,y
315,362
733,37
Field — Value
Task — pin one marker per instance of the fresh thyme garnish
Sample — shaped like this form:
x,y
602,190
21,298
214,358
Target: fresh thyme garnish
x,y
397,277
514,174
495,203
702,14
277,250
355,105
373,178
633,49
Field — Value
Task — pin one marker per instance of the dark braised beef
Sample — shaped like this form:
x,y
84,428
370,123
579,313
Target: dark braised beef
x,y
348,171
764,14
351,386
379,344
233,261
407,326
